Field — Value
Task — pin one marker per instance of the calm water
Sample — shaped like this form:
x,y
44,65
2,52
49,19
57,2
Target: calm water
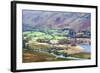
x,y
86,47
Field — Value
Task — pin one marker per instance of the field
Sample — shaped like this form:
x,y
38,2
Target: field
x,y
29,56
41,47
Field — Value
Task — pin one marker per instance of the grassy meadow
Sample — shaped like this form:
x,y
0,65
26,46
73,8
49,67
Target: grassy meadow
x,y
41,47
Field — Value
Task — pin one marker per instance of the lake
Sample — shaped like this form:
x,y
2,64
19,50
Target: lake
x,y
87,48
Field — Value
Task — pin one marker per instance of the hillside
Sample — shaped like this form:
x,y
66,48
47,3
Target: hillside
x,y
44,20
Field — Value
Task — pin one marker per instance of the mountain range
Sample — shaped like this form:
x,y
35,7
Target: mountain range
x,y
44,20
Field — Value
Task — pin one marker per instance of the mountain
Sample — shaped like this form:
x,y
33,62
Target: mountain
x,y
44,20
